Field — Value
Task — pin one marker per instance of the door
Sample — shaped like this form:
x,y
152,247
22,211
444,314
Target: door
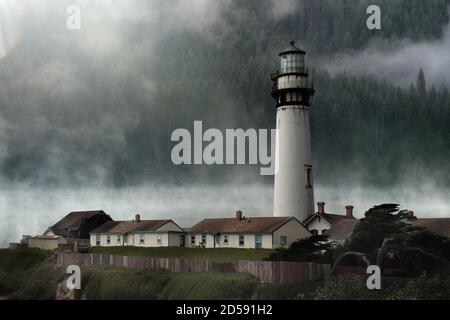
x,y
182,240
258,241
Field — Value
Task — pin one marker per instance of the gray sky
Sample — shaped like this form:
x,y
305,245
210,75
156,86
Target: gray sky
x,y
78,108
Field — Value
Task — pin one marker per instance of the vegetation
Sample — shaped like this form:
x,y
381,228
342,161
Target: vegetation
x,y
210,286
385,238
313,249
288,291
27,271
353,287
222,254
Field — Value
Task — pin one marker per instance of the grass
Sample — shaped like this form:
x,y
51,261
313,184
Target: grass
x,y
32,274
222,254
22,267
125,284
210,286
13,260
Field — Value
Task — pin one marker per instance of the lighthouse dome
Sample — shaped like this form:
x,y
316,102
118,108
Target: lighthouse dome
x,y
292,49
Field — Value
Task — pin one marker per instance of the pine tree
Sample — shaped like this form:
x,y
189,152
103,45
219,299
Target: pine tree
x,y
421,84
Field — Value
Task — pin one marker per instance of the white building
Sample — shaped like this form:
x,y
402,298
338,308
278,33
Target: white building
x,y
139,233
321,221
246,233
294,195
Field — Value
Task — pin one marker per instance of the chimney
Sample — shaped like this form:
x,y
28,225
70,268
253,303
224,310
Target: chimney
x,y
137,218
239,215
321,207
349,210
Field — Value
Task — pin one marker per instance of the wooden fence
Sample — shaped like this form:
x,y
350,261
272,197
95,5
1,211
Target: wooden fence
x,y
275,272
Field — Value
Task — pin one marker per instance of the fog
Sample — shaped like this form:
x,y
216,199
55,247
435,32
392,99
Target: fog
x,y
26,210
86,116
398,61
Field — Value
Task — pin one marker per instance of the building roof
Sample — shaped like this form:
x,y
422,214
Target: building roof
x,y
329,217
437,225
342,229
124,227
73,221
292,49
245,225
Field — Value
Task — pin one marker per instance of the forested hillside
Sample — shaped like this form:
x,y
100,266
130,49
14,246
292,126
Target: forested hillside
x,y
116,129
361,128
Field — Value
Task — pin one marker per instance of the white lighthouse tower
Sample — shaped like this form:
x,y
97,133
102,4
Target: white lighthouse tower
x,y
294,195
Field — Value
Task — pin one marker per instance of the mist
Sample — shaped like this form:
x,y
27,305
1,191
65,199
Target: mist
x,y
86,115
398,62
28,210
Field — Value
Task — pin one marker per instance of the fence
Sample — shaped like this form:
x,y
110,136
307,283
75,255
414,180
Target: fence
x,y
274,272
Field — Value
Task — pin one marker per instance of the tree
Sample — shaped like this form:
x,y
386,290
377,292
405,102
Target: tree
x,y
421,83
313,249
385,238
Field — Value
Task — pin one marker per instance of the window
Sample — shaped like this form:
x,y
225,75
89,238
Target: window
x,y
141,238
258,241
159,239
108,239
309,177
97,240
241,240
193,240
283,240
225,239
204,238
314,232
125,239
118,239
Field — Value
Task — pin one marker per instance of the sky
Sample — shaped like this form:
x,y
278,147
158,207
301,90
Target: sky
x,y
73,104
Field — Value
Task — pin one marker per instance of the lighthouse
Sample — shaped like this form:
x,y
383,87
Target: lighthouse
x,y
294,191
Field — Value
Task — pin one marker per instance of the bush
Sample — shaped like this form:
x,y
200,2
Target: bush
x,y
348,287
423,288
287,291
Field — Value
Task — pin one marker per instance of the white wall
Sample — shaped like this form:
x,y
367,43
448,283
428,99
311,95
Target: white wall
x,y
293,230
292,197
319,224
233,241
150,240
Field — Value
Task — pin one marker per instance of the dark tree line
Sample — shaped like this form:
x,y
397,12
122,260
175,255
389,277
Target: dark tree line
x,y
359,124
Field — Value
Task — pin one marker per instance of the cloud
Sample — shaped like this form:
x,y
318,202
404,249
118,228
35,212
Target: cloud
x,y
398,62
282,8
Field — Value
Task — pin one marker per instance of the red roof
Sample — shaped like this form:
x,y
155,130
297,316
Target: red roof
x,y
246,225
437,225
123,227
344,228
330,218
73,221
74,218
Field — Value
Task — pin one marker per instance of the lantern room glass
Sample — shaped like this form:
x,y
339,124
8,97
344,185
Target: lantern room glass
x,y
292,62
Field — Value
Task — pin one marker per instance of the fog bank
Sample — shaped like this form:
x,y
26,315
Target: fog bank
x,y
30,211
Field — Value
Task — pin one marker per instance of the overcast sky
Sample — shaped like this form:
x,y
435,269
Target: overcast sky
x,y
71,100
